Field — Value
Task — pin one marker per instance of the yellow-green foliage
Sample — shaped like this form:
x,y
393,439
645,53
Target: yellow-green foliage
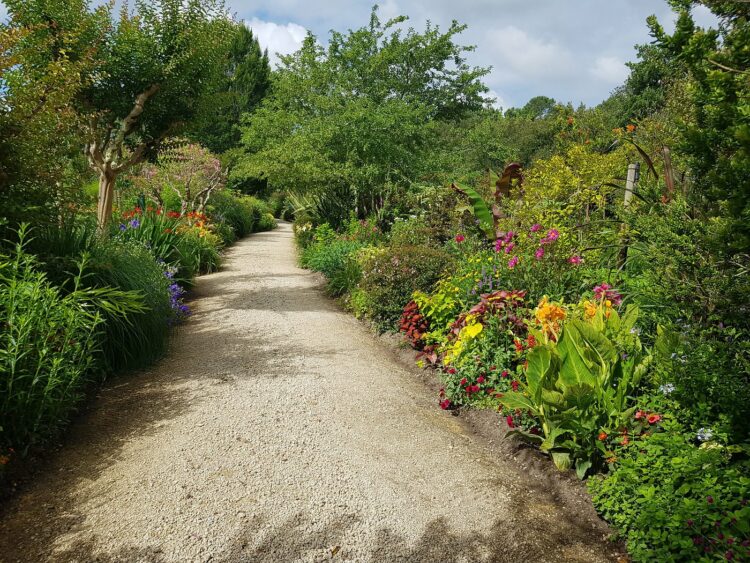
x,y
561,188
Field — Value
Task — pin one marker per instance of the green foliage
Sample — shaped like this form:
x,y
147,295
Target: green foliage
x,y
391,275
199,250
578,387
673,501
49,346
245,81
329,257
350,120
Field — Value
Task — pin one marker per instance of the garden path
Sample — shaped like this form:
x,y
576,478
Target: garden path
x,y
280,429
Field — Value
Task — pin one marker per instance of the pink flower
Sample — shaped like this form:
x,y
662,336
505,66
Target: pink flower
x,y
513,262
499,244
509,248
536,227
605,292
553,235
575,260
539,254
460,238
445,404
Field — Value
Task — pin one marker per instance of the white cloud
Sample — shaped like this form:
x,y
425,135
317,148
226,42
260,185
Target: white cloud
x,y
610,70
388,9
277,38
500,102
516,56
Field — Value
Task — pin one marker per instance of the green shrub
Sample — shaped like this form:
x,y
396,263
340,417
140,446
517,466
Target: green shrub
x,y
142,337
267,222
390,275
199,250
126,342
49,346
328,258
673,501
413,231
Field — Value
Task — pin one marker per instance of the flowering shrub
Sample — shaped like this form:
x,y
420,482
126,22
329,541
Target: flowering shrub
x,y
391,275
577,384
674,501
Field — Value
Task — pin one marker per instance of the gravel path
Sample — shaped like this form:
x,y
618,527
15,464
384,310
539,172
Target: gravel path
x,y
279,429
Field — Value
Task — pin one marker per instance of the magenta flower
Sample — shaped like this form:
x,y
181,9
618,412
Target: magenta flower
x,y
460,238
509,247
498,245
606,292
513,262
536,227
575,260
552,236
539,254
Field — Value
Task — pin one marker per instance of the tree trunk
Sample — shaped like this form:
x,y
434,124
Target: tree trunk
x,y
106,197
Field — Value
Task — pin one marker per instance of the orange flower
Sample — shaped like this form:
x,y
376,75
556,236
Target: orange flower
x,y
630,128
549,316
602,436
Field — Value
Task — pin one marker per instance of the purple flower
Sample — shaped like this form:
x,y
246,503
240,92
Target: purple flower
x,y
536,227
539,254
122,226
513,262
134,223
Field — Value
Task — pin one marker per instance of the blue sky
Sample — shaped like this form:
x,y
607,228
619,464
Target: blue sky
x,y
572,50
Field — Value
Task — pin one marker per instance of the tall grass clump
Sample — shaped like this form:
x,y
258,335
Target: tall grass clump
x,y
49,345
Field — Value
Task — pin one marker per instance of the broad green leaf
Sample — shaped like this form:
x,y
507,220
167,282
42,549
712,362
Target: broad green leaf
x,y
517,401
582,466
481,210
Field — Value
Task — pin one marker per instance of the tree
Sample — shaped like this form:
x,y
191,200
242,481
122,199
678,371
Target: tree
x,y
153,67
717,138
246,79
41,65
355,119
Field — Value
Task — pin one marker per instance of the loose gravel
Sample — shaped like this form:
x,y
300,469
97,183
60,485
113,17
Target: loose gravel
x,y
279,429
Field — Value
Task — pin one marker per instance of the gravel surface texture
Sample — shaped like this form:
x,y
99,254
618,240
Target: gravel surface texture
x,y
279,429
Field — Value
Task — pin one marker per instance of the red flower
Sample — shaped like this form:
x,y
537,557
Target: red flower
x,y
602,436
509,421
518,345
514,384
505,373
445,404
173,215
480,379
639,415
452,371
460,238
531,340
463,381
654,418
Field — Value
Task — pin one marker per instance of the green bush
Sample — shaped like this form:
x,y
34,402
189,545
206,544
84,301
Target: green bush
x,y
267,222
126,342
140,338
413,231
674,501
49,346
199,250
390,275
328,258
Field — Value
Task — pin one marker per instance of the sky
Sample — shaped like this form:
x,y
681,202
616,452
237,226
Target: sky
x,y
571,50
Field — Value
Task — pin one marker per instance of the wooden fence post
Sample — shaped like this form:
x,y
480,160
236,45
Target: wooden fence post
x,y
630,186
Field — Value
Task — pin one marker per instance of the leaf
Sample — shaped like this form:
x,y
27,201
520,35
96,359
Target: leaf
x,y
562,460
533,438
514,400
503,184
582,466
481,210
550,439
543,364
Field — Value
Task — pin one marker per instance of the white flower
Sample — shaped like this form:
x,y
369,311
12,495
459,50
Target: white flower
x,y
667,388
704,434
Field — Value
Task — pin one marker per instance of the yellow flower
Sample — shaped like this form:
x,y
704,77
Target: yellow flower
x,y
472,331
589,309
549,316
